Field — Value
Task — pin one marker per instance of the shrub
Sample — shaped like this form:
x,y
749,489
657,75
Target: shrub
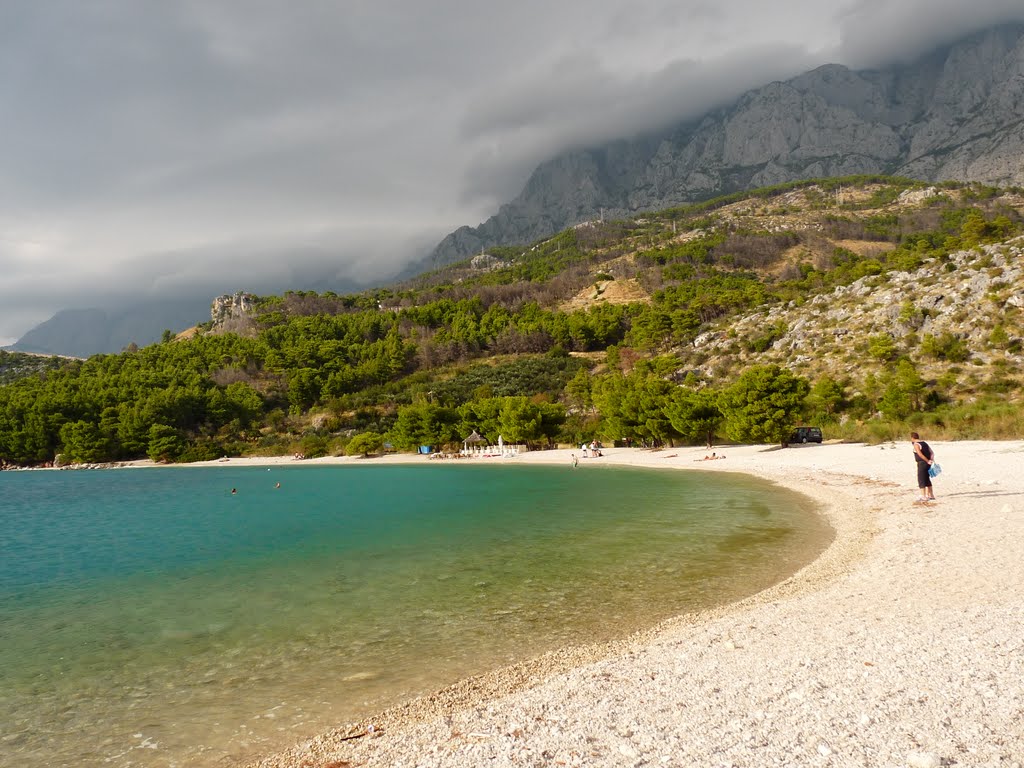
x,y
882,347
998,338
946,346
364,444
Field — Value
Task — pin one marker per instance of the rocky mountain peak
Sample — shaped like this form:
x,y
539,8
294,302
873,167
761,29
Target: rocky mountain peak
x,y
955,113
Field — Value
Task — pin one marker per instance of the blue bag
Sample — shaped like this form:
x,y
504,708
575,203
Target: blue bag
x,y
934,470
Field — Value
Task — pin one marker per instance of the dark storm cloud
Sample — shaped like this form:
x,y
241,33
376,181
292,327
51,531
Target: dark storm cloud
x,y
166,147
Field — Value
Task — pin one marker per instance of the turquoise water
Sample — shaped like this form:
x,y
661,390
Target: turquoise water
x,y
148,617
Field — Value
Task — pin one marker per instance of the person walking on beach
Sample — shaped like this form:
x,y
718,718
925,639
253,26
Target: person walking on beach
x,y
924,457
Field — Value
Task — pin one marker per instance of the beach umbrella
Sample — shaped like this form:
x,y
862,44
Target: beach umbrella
x,y
501,444
473,438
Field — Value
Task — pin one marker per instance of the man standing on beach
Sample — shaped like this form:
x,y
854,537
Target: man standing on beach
x,y
924,457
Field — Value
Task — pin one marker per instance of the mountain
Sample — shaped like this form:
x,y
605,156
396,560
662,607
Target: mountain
x,y
85,332
955,113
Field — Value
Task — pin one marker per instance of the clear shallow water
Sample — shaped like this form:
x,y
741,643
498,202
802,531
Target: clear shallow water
x,y
150,618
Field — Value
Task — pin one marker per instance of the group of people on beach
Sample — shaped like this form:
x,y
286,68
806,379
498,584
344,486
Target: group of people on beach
x,y
712,457
589,450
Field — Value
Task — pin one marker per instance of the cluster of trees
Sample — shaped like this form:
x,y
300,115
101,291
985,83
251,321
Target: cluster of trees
x,y
126,406
762,405
164,402
518,420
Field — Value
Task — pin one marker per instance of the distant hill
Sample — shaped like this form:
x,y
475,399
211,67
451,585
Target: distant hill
x,y
956,113
85,332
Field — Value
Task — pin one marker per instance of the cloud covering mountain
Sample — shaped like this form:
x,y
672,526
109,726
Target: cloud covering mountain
x,y
165,150
954,113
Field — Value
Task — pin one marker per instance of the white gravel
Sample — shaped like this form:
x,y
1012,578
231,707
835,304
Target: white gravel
x,y
902,645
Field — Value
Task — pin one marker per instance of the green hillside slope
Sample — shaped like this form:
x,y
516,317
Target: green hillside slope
x,y
867,305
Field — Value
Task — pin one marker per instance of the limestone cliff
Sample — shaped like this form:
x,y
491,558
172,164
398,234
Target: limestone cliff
x,y
957,113
228,306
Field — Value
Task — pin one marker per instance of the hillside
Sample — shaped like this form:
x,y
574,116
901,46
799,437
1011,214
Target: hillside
x,y
954,113
809,231
956,307
18,365
867,305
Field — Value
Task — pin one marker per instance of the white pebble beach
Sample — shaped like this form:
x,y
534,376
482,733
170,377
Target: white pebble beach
x,y
901,645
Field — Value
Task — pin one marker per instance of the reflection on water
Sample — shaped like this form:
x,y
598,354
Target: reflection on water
x,y
147,618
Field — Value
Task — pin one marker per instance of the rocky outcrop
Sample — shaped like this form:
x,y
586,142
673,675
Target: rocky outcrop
x,y
484,262
957,113
965,297
231,306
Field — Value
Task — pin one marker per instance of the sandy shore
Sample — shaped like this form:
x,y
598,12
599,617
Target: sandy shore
x,y
903,644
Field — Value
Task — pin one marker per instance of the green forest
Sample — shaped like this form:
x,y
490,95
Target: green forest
x,y
505,350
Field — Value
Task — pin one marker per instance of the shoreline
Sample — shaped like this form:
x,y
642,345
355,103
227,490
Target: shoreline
x,y
901,644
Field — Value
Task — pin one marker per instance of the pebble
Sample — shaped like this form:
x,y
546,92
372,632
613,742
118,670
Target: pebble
x,y
923,760
627,751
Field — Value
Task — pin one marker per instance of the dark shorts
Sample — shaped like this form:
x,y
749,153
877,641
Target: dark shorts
x,y
923,480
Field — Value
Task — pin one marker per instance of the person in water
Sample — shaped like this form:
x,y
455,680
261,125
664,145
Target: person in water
x,y
234,491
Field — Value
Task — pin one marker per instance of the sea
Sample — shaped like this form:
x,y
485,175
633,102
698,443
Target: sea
x,y
205,616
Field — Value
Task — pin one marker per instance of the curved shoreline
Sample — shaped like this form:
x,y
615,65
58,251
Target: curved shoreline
x,y
899,645
527,674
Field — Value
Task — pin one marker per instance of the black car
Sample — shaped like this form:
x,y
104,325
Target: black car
x,y
806,435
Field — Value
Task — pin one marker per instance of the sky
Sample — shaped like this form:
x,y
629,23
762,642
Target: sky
x,y
157,149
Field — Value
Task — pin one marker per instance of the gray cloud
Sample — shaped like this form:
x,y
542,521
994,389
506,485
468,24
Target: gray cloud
x,y
579,103
879,32
163,148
